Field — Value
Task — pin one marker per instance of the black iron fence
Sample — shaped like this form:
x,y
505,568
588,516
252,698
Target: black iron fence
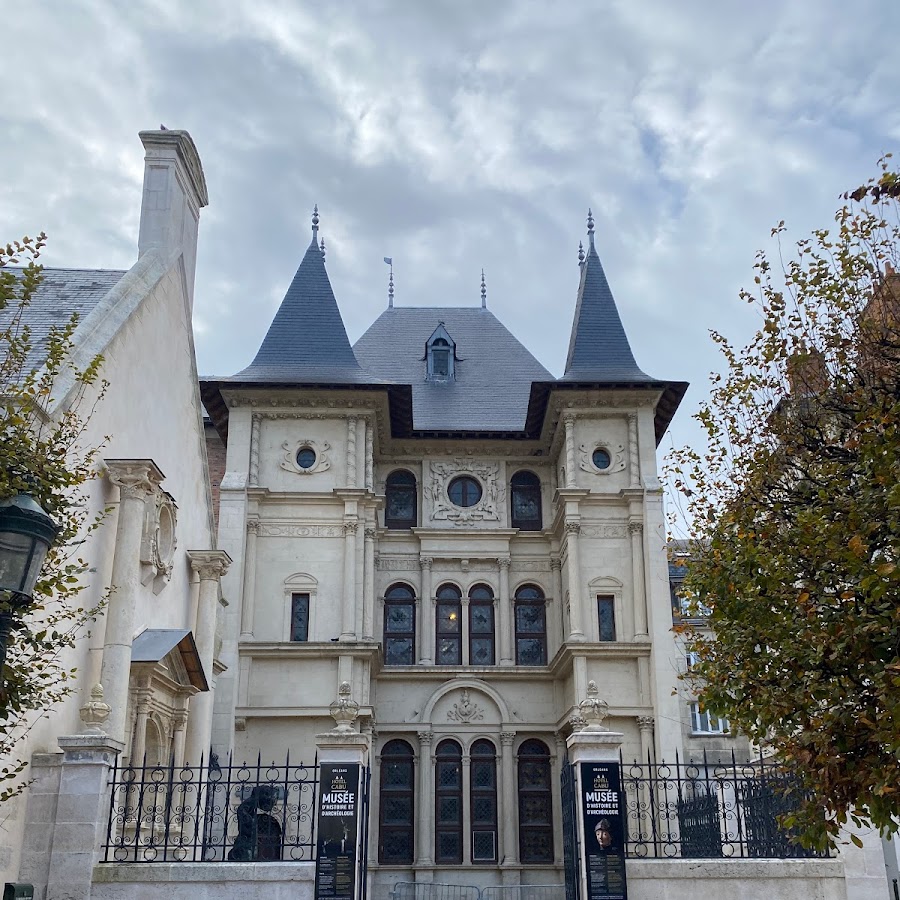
x,y
232,812
710,810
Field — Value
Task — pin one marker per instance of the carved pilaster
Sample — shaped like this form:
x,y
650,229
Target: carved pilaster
x,y
351,451
253,479
507,738
370,456
253,526
573,528
634,463
350,528
569,422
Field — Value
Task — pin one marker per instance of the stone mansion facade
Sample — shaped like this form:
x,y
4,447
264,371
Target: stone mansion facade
x,y
473,545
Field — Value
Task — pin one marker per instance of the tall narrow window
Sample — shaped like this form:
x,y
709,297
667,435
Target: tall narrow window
x,y
399,626
483,801
440,355
481,626
535,804
525,493
606,613
396,805
400,500
531,627
448,626
299,617
448,803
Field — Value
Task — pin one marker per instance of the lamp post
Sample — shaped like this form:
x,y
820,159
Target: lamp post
x,y
26,534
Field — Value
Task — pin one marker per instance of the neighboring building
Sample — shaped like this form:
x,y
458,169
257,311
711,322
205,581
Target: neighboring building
x,y
469,542
160,525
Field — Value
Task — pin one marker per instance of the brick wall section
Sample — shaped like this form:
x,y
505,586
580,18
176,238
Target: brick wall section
x,y
215,452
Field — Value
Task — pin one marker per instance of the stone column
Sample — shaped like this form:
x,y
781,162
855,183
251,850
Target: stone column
x,y
634,460
509,833
425,802
179,734
136,479
645,726
253,473
426,620
139,742
504,618
351,452
369,588
637,576
569,422
576,593
349,599
210,565
559,628
248,600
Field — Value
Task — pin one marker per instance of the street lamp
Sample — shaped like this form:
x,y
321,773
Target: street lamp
x,y
26,533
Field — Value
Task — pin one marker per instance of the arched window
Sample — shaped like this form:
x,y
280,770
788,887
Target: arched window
x,y
481,626
400,500
448,816
535,804
525,493
448,626
483,801
397,804
399,625
531,627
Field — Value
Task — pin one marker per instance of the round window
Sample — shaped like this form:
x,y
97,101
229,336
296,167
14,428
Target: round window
x,y
601,458
306,457
464,491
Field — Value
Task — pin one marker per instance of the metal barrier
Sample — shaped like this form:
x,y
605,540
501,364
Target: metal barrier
x,y
409,890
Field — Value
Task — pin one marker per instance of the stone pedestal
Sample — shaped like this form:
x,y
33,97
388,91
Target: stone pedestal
x,y
590,745
60,865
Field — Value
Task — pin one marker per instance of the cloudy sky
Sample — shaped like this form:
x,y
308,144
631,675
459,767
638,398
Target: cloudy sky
x,y
453,135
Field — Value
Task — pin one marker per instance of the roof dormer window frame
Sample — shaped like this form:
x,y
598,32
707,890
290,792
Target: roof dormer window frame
x,y
440,356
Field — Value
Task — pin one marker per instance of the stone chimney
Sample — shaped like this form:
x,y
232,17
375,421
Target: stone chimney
x,y
174,194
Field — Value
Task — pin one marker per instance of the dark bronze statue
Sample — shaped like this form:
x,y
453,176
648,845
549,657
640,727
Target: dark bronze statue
x,y
259,834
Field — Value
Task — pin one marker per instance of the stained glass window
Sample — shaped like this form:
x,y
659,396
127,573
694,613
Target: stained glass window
x,y
531,627
399,626
535,803
481,626
400,500
397,808
448,626
483,799
606,613
299,617
448,803
525,494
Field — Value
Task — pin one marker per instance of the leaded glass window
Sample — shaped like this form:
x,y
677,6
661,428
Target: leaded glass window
x,y
531,627
399,626
481,626
525,494
448,800
448,626
606,613
299,617
535,803
483,800
396,804
400,510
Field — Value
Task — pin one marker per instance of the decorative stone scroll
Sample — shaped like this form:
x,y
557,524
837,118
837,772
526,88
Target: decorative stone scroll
x,y
465,711
488,508
292,448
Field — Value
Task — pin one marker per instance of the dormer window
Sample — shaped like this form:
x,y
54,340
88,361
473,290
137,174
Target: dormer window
x,y
440,355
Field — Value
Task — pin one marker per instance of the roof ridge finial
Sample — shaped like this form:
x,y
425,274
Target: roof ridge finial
x,y
322,247
590,227
483,291
315,222
580,254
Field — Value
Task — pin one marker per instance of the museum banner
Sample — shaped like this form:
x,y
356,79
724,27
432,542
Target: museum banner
x,y
337,832
604,830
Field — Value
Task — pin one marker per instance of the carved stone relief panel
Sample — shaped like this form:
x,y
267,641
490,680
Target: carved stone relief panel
x,y
158,541
616,453
305,456
489,508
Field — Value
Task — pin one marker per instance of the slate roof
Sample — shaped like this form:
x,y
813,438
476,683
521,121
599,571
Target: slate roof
x,y
61,293
598,347
493,371
306,342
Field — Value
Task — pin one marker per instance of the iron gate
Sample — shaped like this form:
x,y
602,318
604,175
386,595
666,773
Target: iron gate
x,y
569,828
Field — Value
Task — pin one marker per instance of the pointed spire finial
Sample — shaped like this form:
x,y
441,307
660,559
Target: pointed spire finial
x,y
483,292
322,247
391,290
590,226
315,222
580,254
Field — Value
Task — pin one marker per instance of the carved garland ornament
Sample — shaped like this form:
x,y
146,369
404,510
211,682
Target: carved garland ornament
x,y
158,541
617,458
486,509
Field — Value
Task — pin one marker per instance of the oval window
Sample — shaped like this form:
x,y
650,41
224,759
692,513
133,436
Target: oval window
x,y
306,457
464,491
601,458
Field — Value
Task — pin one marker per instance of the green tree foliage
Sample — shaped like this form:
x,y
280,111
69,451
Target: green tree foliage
x,y
795,511
42,453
